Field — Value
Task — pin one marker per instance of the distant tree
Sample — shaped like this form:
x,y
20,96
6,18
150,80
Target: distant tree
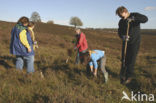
x,y
50,22
75,21
35,17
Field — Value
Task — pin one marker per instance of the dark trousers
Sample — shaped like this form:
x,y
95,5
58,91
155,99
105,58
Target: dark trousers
x,y
131,54
79,56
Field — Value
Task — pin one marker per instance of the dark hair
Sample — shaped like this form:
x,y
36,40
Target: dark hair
x,y
31,23
23,20
120,10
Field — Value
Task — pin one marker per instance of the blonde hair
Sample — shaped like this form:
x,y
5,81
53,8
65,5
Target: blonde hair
x,y
31,24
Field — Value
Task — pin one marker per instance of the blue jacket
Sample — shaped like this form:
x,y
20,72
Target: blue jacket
x,y
16,47
95,57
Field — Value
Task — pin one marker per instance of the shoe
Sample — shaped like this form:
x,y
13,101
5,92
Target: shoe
x,y
122,79
128,81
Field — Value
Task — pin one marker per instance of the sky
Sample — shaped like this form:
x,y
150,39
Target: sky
x,y
93,13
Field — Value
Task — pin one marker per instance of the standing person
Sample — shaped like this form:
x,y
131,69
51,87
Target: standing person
x,y
31,26
81,44
22,45
92,57
133,40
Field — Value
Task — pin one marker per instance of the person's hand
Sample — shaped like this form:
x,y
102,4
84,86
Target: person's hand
x,y
126,38
75,48
91,69
35,42
95,74
29,50
36,46
130,19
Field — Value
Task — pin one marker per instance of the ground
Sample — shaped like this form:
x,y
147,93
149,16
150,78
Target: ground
x,y
56,81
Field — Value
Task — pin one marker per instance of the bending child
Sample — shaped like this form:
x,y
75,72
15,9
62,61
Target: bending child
x,y
92,57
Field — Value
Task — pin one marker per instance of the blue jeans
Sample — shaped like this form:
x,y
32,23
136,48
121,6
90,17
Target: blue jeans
x,y
29,61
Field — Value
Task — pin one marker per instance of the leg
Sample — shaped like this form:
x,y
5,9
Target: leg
x,y
131,59
103,69
19,62
30,63
95,72
77,58
81,54
123,64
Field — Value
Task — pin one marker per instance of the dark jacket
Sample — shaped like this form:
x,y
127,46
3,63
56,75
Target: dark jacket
x,y
134,30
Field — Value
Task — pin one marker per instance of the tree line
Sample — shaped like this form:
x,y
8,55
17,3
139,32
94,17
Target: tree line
x,y
75,21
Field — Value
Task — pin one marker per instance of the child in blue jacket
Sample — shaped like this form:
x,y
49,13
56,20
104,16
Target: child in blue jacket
x,y
22,45
92,57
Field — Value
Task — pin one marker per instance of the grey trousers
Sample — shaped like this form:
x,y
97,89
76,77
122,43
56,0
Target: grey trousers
x,y
103,64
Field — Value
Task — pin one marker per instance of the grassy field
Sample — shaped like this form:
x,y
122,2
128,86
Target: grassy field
x,y
68,83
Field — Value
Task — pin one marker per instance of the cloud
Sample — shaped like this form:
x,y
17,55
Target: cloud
x,y
150,8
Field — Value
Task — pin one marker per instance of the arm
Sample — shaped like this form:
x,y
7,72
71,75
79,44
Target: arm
x,y
80,40
120,33
23,39
140,18
32,34
90,63
12,33
95,64
91,66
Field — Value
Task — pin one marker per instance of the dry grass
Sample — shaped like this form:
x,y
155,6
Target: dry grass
x,y
68,83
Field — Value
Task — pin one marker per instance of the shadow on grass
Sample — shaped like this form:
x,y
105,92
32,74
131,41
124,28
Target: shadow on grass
x,y
134,86
4,59
148,75
151,59
41,98
60,65
114,75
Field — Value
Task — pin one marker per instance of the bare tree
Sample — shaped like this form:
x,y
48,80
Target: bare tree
x,y
35,17
75,21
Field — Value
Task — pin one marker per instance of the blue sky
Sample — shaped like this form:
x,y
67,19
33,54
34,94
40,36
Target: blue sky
x,y
93,13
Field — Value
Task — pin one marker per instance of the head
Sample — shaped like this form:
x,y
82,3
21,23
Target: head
x,y
31,25
86,58
122,12
78,30
24,20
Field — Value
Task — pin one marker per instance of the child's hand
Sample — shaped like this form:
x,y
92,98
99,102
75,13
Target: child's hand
x,y
29,50
36,46
35,43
